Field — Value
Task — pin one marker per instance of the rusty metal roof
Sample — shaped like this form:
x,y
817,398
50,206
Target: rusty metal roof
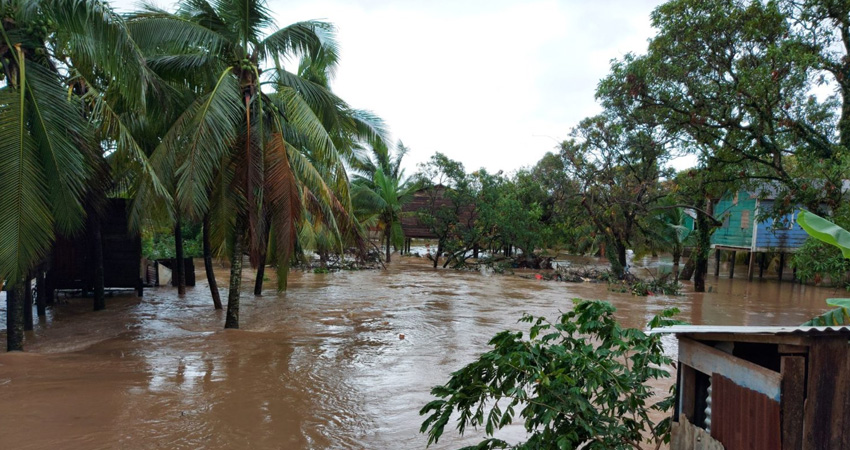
x,y
715,329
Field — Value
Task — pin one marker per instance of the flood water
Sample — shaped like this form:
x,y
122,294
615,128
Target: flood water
x,y
321,366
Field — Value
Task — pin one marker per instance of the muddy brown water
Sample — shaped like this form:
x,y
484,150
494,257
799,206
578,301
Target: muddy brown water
x,y
321,366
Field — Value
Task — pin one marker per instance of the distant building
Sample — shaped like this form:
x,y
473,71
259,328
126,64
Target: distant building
x,y
743,231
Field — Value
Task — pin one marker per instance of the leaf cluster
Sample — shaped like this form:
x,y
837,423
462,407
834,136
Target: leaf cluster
x,y
579,382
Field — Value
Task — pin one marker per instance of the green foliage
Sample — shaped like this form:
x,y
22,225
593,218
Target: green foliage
x,y
832,234
816,260
159,243
826,231
580,381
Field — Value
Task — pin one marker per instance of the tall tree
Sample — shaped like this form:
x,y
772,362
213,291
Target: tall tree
x,y
619,163
247,157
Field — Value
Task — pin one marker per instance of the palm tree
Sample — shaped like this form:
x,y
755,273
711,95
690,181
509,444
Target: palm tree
x,y
380,189
54,54
672,233
240,154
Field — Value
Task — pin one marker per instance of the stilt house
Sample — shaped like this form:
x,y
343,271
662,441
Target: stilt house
x,y
743,231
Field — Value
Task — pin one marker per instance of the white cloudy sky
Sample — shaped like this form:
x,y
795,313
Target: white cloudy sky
x,y
491,83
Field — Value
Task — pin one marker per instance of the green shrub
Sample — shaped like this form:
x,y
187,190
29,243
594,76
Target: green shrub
x,y
581,381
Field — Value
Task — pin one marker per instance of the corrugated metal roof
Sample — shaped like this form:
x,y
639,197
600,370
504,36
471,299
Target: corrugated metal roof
x,y
714,329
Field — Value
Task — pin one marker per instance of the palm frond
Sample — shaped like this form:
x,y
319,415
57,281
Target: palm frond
x,y
311,37
26,224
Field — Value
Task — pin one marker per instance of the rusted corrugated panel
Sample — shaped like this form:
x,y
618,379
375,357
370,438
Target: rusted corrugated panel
x,y
743,419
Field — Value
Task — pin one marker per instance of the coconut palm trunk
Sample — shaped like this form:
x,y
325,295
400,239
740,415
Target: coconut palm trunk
x,y
208,265
14,320
179,266
232,318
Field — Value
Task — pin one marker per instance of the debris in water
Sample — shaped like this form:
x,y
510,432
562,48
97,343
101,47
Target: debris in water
x,y
400,336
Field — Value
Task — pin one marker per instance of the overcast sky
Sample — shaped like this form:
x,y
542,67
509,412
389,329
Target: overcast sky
x,y
491,83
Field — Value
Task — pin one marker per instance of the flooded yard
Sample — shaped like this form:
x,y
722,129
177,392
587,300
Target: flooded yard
x,y
341,360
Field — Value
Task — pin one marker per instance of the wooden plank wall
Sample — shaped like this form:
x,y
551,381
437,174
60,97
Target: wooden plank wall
x,y
687,436
742,418
827,411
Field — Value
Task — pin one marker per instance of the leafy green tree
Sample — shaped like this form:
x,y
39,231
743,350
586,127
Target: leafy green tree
x,y
451,201
618,163
247,157
580,382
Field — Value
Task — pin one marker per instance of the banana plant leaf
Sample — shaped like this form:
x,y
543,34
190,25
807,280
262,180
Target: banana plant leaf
x,y
826,231
834,317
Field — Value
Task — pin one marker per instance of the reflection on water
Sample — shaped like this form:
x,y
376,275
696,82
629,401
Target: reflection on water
x,y
321,366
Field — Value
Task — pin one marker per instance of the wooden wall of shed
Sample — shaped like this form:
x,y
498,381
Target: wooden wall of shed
x,y
72,266
826,425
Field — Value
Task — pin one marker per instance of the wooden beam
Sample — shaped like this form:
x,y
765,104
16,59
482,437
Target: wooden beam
x,y
789,339
751,266
732,265
716,262
788,349
746,374
793,392
687,391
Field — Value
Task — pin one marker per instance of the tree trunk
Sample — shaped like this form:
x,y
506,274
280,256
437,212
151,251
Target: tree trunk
x,y
677,255
208,265
688,270
14,320
261,267
475,250
232,319
703,247
261,273
99,302
27,303
437,255
179,267
387,235
617,257
41,293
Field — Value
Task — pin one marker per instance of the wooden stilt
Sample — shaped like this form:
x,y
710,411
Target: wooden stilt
x,y
41,293
27,301
751,266
717,262
732,265
781,265
761,265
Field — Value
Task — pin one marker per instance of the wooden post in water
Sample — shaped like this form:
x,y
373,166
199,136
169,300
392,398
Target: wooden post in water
x,y
27,302
732,265
716,262
41,292
751,266
781,265
761,265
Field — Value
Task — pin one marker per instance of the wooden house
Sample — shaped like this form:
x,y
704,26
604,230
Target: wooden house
x,y
743,231
72,262
762,388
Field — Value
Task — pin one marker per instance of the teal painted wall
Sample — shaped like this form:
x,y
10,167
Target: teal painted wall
x,y
731,234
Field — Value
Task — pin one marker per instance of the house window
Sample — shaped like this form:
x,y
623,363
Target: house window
x,y
745,220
